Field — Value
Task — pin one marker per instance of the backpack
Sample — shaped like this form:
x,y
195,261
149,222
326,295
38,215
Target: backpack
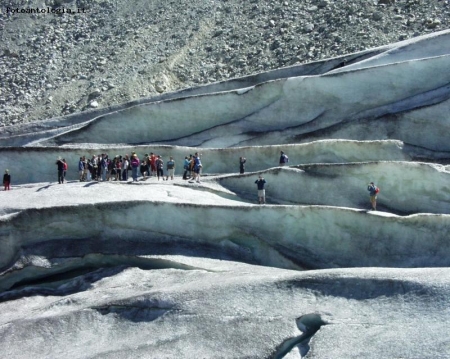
x,y
286,158
377,190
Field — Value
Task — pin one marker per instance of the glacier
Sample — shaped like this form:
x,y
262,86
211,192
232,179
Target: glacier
x,y
174,269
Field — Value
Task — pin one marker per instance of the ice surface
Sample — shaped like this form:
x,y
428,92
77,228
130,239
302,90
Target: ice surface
x,y
40,161
175,269
295,106
169,217
233,313
406,187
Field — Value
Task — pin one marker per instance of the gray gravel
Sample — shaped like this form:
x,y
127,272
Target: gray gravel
x,y
113,51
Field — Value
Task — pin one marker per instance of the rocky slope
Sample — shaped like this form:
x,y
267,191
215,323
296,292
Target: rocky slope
x,y
107,52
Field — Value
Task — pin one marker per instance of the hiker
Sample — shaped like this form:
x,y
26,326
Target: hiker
x,y
104,165
60,165
98,175
66,167
283,158
197,167
159,167
7,180
191,167
143,169
125,165
242,161
86,172
147,166
170,168
134,166
118,168
152,159
373,191
260,182
94,167
81,169
111,169
187,166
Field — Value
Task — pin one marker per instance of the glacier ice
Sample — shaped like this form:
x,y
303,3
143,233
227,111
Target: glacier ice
x,y
184,270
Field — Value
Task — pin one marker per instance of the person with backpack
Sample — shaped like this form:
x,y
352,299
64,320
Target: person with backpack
x,y
373,191
60,165
260,182
170,168
283,159
197,167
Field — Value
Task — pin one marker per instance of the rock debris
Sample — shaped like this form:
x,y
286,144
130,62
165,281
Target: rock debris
x,y
106,52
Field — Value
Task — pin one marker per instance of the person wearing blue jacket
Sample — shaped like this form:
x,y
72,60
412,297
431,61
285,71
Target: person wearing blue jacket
x,y
197,167
187,167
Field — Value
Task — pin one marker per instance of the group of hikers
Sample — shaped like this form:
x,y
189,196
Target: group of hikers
x,y
103,168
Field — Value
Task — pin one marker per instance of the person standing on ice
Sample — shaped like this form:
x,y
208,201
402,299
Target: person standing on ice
x,y
7,180
159,167
260,182
373,191
187,166
104,164
66,167
152,158
134,166
125,164
242,161
170,168
197,167
283,158
60,165
81,169
143,169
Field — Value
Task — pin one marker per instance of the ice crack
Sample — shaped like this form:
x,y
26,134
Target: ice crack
x,y
309,324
